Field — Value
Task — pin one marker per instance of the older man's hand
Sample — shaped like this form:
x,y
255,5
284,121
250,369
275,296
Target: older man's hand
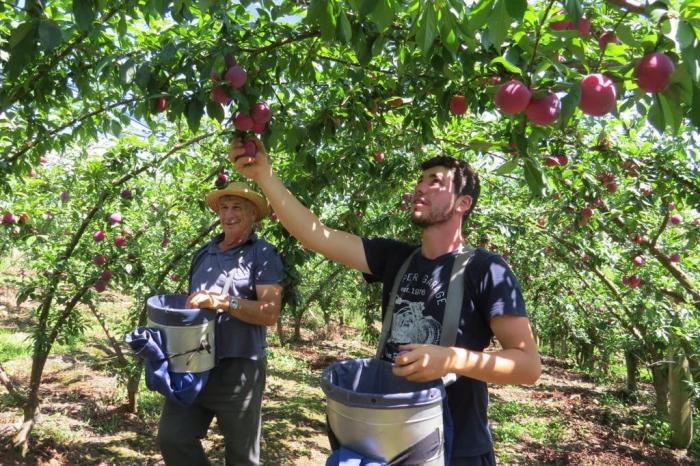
x,y
206,300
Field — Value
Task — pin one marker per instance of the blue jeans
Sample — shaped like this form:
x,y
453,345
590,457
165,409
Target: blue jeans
x,y
234,395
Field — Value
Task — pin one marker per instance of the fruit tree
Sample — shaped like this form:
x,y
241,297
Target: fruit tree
x,y
581,116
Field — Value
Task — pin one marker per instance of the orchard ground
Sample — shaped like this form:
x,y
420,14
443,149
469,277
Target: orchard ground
x,y
567,418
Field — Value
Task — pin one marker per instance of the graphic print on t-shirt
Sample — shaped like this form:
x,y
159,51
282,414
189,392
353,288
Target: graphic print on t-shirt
x,y
418,308
410,325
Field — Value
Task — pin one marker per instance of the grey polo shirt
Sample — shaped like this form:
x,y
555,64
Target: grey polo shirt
x,y
255,262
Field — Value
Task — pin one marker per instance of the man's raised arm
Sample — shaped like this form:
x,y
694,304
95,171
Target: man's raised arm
x,y
304,225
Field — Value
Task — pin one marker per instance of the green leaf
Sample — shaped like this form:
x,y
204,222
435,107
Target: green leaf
x,y
425,35
569,104
127,71
321,13
479,15
427,130
122,26
506,64
168,51
143,76
23,52
534,178
363,47
383,13
671,109
656,115
102,62
679,32
366,7
516,9
85,12
448,31
344,28
21,32
116,128
695,108
49,34
378,45
205,5
507,167
215,111
691,59
499,23
627,36
574,9
521,143
195,110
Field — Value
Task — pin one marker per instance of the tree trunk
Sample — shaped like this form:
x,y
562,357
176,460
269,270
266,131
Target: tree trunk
x,y
280,330
297,326
20,439
660,376
680,406
632,364
132,388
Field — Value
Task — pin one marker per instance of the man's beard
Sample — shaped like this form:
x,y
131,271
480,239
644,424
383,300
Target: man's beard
x,y
433,217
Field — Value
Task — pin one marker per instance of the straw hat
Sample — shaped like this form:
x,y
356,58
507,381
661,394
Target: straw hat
x,y
240,190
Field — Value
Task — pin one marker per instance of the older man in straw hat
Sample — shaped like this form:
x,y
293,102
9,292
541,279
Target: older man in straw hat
x,y
239,275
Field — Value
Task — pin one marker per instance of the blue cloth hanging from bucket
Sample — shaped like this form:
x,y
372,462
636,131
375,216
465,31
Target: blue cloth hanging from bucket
x,y
346,457
178,347
181,387
375,416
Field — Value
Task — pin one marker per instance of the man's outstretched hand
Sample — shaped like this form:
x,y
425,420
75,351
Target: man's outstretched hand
x,y
253,167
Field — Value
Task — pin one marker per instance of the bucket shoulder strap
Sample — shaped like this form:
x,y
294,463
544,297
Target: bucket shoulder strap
x,y
455,298
388,315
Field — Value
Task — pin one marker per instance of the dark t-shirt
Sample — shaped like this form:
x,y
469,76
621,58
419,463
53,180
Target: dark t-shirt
x,y
490,290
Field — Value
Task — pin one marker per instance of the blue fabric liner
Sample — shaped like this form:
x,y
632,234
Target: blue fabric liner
x,y
370,383
170,309
415,455
346,457
182,388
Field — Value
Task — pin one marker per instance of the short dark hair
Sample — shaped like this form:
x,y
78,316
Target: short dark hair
x,y
466,180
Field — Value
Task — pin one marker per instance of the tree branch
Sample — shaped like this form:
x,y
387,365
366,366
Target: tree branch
x,y
21,90
281,43
29,144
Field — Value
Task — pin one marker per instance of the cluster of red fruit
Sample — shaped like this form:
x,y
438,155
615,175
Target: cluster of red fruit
x,y
633,281
598,92
608,179
235,77
556,160
222,178
10,218
585,215
119,239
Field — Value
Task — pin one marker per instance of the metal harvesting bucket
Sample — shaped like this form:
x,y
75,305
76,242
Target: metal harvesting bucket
x,y
379,415
188,333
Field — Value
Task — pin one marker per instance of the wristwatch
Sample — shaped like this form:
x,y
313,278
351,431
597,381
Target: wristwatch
x,y
233,303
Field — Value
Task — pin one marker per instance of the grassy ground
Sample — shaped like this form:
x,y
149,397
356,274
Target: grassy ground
x,y
564,419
